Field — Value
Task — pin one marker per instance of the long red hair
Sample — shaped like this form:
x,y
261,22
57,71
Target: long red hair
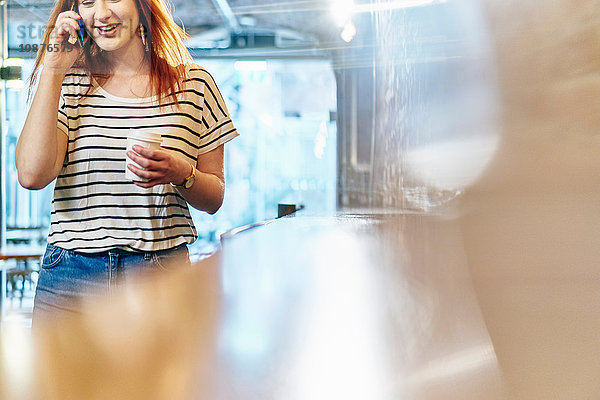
x,y
166,52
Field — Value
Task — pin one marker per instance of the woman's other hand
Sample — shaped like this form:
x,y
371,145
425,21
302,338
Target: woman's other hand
x,y
159,166
60,54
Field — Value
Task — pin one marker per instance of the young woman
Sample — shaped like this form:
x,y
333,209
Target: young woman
x,y
130,73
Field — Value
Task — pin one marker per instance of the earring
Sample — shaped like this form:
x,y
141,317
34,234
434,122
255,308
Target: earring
x,y
143,36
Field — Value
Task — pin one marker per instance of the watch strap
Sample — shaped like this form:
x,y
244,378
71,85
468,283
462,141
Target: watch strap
x,y
185,184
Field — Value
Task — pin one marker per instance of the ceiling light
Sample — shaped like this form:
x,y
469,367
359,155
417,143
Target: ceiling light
x,y
348,32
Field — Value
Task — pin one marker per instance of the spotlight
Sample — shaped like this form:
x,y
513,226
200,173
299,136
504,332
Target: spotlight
x,y
348,32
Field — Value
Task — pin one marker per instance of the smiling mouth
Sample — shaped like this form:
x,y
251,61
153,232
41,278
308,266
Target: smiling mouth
x,y
108,28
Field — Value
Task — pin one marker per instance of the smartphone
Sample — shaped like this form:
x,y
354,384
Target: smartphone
x,y
81,33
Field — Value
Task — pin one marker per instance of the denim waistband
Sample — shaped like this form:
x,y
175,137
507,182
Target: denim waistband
x,y
116,251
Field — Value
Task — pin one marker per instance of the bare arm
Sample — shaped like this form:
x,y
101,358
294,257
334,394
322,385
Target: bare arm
x,y
209,187
162,167
41,146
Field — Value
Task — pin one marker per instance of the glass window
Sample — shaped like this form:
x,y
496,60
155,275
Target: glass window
x,y
286,151
27,213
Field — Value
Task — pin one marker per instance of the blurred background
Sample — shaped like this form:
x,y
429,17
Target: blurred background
x,y
342,106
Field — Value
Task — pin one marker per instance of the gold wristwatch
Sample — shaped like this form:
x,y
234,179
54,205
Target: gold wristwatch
x,y
187,182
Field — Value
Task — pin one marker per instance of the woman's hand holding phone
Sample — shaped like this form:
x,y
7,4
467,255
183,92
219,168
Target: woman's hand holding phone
x,y
66,53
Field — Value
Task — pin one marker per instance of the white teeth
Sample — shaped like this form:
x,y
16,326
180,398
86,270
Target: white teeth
x,y
108,29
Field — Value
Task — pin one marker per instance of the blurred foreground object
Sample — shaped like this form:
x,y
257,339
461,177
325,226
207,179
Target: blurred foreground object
x,y
352,307
532,223
147,341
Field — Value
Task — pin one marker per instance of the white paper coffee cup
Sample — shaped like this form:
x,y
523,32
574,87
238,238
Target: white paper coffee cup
x,y
149,140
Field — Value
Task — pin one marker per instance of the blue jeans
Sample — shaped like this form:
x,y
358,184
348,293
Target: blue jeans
x,y
67,277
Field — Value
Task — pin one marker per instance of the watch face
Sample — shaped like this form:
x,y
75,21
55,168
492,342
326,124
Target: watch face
x,y
188,183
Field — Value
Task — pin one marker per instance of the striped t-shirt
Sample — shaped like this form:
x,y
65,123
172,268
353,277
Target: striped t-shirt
x,y
95,208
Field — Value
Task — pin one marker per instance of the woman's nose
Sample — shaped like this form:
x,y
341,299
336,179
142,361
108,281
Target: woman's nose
x,y
101,11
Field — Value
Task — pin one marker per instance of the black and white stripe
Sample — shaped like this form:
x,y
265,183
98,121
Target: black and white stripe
x,y
95,208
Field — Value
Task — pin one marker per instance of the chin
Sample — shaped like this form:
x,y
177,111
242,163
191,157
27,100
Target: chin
x,y
109,45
